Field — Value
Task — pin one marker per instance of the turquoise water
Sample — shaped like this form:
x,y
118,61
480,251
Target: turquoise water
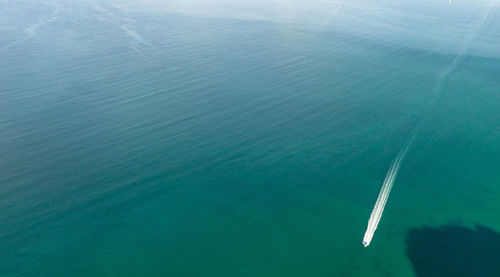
x,y
147,139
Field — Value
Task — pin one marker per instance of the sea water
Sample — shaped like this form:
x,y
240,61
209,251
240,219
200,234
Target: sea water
x,y
141,138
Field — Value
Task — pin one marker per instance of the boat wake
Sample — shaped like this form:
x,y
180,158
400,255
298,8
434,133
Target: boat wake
x,y
381,202
378,209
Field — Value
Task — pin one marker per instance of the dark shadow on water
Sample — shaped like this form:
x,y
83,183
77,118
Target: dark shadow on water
x,y
454,250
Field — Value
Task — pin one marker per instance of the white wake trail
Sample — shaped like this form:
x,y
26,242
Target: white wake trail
x,y
378,209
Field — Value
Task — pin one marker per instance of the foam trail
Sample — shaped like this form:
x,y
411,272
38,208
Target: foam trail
x,y
378,209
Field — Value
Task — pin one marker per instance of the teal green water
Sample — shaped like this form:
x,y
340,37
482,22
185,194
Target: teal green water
x,y
176,140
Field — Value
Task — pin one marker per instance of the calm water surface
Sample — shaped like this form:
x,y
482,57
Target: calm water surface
x,y
148,139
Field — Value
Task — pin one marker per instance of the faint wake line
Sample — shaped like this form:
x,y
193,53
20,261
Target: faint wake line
x,y
383,196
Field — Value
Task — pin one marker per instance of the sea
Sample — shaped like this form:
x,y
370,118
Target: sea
x,y
248,138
